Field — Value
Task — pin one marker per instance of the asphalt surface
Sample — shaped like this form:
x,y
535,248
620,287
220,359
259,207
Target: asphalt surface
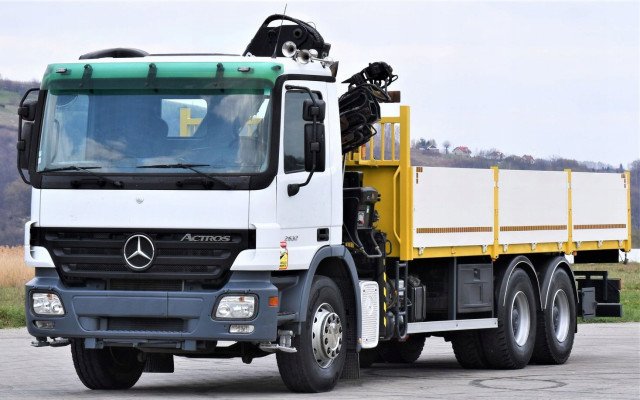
x,y
605,364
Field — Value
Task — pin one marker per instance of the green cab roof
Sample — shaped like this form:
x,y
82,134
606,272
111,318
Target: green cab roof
x,y
162,74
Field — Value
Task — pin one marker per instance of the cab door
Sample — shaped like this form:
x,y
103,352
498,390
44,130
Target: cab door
x,y
304,218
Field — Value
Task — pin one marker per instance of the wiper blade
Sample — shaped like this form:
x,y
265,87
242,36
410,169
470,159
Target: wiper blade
x,y
192,167
101,179
178,165
70,168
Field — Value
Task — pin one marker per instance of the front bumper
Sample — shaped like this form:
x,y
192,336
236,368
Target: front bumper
x,y
153,318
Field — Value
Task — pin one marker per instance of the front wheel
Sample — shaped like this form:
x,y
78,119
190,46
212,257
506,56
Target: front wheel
x,y
557,323
318,363
107,369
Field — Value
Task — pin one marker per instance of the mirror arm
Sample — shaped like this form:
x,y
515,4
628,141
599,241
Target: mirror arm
x,y
294,188
304,89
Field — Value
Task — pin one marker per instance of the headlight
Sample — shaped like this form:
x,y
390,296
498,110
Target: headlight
x,y
46,304
236,307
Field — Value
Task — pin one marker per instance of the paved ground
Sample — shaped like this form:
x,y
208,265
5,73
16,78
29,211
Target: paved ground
x,y
605,364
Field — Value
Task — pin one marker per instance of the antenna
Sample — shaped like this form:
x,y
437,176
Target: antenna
x,y
275,48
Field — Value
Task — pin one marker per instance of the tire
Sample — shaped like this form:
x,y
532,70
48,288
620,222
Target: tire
x,y
405,352
511,344
469,350
318,363
557,323
110,368
368,357
410,350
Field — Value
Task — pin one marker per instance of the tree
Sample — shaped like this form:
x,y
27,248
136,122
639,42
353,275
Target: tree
x,y
446,145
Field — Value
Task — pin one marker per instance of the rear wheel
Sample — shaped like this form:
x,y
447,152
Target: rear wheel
x,y
511,344
468,348
318,363
109,368
557,323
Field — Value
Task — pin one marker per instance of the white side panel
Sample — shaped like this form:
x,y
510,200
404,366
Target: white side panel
x,y
262,217
334,161
599,206
533,206
452,207
35,204
193,209
35,256
370,310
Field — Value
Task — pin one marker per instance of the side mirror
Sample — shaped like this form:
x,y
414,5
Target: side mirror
x,y
23,145
313,110
314,144
27,111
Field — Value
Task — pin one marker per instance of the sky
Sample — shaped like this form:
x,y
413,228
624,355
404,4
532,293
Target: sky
x,y
544,78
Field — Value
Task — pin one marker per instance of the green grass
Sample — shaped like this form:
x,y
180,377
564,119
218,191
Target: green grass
x,y
630,294
7,97
12,307
9,108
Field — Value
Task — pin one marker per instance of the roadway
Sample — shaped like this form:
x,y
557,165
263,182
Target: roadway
x,y
605,364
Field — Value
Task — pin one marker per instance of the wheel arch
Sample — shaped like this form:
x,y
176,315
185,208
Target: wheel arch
x,y
334,262
505,271
546,270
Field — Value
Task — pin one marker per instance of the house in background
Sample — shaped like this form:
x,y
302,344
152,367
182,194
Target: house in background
x,y
528,159
496,155
461,151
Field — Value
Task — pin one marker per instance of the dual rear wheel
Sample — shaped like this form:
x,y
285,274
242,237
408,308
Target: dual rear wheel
x,y
523,334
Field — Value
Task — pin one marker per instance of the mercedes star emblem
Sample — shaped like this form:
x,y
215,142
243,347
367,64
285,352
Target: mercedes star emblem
x,y
138,252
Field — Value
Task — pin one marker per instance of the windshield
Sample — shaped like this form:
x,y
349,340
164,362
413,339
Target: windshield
x,y
119,131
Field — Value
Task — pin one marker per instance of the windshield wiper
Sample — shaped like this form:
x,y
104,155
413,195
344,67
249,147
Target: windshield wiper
x,y
70,168
191,167
101,179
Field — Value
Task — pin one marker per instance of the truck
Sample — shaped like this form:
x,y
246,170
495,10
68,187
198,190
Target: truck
x,y
218,206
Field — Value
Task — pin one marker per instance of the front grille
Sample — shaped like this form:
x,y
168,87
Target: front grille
x,y
146,324
146,285
212,271
83,255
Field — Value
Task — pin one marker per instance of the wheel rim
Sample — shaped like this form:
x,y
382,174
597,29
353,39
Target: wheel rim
x,y
561,317
326,335
520,318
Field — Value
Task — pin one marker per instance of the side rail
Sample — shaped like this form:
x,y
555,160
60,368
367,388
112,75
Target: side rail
x,y
490,212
